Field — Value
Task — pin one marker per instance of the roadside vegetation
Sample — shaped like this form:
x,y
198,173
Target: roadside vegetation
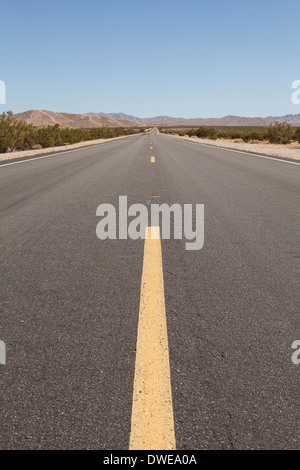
x,y
18,135
278,133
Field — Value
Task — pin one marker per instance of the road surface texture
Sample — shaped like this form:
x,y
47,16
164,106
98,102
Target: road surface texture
x,y
70,302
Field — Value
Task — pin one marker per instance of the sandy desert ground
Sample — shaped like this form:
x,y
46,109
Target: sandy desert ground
x,y
291,151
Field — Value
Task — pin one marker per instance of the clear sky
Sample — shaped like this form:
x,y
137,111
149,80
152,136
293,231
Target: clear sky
x,y
189,58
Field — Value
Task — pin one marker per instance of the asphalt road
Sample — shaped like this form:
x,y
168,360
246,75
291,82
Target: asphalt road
x,y
70,302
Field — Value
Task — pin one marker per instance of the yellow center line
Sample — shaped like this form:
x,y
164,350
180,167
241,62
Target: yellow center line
x,y
152,420
152,159
151,148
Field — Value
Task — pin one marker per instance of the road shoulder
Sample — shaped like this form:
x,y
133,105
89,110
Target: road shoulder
x,y
270,150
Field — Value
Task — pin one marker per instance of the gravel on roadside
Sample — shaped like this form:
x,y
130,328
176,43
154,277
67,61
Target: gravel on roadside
x,y
291,151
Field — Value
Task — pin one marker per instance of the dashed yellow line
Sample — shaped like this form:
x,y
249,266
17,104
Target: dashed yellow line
x,y
151,148
152,420
152,159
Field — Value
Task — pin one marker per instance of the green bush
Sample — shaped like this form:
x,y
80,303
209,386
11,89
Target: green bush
x,y
206,132
17,135
280,133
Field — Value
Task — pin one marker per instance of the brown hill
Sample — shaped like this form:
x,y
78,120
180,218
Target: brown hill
x,y
42,118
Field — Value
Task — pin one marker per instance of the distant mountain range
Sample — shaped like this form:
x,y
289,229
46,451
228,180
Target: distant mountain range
x,y
293,119
41,118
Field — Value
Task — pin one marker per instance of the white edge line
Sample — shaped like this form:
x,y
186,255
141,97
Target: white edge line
x,y
240,151
25,160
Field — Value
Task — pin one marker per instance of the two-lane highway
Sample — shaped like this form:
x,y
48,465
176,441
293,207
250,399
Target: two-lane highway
x,y
70,303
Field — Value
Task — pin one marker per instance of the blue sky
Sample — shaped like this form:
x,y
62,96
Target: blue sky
x,y
189,58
